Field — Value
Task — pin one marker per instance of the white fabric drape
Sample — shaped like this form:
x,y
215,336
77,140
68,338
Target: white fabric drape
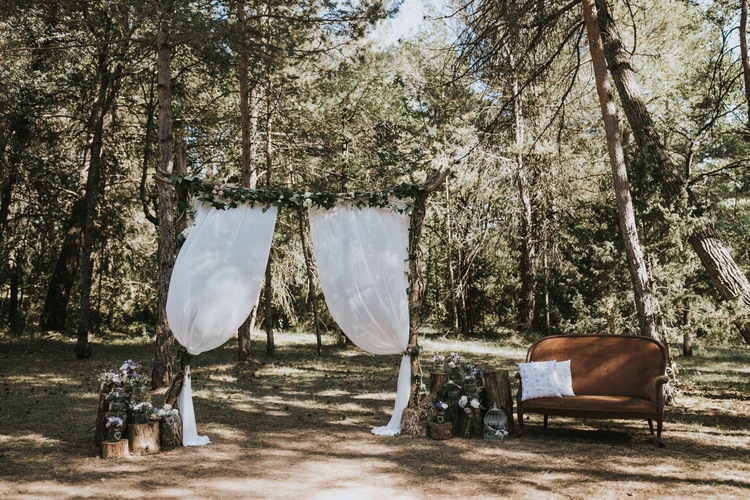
x,y
362,259
216,280
218,274
190,435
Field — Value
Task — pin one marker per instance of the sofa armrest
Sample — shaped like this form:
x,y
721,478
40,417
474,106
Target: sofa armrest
x,y
655,389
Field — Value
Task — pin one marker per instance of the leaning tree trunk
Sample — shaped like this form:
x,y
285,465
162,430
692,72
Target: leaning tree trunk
x,y
725,274
163,369
628,228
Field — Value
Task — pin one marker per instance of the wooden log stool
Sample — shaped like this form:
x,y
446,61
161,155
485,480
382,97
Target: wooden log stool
x,y
115,449
143,439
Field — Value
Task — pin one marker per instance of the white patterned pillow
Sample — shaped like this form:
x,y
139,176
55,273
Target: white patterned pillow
x,y
564,379
539,380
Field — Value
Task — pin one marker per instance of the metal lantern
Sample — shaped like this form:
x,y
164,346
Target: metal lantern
x,y
495,425
451,391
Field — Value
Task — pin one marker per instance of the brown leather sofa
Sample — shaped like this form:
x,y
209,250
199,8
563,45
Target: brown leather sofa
x,y
614,376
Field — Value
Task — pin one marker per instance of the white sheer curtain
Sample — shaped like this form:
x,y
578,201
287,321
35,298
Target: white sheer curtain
x,y
215,283
362,259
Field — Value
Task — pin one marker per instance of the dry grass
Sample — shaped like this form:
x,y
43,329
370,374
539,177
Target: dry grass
x,y
298,426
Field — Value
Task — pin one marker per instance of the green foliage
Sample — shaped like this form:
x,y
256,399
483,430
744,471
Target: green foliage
x,y
347,120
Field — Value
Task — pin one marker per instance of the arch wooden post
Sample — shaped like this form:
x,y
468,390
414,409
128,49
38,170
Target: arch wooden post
x,y
416,291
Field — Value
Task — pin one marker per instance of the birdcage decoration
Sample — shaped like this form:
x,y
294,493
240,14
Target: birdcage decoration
x,y
495,425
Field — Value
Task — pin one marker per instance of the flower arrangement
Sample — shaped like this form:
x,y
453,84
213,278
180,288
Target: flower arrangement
x,y
438,358
468,406
440,407
110,378
167,414
169,422
130,376
127,376
454,360
143,411
412,350
114,422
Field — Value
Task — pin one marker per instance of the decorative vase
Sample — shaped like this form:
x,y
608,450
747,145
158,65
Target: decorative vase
x,y
438,366
114,433
470,386
467,429
139,393
440,417
118,400
140,418
167,434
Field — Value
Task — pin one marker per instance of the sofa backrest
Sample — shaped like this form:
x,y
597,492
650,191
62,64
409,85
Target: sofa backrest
x,y
613,365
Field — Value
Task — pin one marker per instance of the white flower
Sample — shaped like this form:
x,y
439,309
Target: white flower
x,y
307,203
451,364
463,401
474,403
167,408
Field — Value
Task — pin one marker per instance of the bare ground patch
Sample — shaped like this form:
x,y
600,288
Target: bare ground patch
x,y
298,426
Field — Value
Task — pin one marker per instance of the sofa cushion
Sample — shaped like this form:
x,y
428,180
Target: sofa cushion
x,y
592,404
564,378
539,380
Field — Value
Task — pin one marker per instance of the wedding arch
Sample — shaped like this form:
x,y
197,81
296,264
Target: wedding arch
x,y
366,246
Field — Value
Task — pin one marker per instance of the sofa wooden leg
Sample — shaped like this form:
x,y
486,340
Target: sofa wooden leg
x,y
546,419
651,426
520,424
658,434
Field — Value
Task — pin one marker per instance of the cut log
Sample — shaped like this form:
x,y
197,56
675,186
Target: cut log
x,y
143,439
437,381
115,449
497,391
441,431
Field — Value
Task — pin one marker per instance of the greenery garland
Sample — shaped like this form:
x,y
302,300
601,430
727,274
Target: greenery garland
x,y
226,196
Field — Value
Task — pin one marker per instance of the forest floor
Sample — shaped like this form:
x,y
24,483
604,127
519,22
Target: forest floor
x,y
298,426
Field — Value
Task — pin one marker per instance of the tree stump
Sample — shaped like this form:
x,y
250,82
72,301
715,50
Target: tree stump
x,y
437,381
497,391
115,449
441,431
143,439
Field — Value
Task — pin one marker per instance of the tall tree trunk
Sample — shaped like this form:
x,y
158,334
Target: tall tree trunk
x,y
528,246
451,265
150,109
94,180
416,282
312,297
723,271
744,58
163,369
270,345
55,311
636,261
248,177
14,302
